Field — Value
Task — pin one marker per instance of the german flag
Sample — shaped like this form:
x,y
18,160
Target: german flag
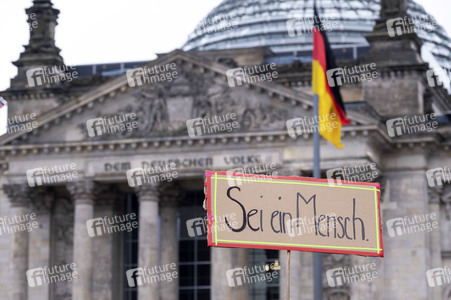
x,y
330,101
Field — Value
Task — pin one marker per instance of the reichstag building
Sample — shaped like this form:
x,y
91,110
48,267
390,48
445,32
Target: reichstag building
x,y
102,168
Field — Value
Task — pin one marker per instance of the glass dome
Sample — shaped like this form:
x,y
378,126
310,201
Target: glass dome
x,y
254,23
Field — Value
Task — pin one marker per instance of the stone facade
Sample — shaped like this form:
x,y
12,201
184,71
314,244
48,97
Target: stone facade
x,y
262,109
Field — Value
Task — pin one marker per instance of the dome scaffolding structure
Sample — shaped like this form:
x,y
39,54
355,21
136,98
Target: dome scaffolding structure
x,y
256,23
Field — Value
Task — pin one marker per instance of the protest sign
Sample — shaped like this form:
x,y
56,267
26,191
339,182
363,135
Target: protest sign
x,y
294,213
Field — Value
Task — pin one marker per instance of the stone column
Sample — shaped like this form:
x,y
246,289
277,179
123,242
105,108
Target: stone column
x,y
435,240
18,195
82,193
221,262
366,289
406,256
106,258
240,260
445,218
170,195
148,196
39,238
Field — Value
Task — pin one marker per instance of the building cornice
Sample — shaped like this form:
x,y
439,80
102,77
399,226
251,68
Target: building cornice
x,y
188,142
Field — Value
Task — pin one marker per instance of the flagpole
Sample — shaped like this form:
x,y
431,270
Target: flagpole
x,y
317,257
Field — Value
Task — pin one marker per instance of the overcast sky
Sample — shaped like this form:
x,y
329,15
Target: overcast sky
x,y
106,31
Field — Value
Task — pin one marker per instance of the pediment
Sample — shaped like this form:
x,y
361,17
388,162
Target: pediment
x,y
159,109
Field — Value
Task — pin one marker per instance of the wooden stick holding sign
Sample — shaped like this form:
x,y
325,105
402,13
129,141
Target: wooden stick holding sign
x,y
288,273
